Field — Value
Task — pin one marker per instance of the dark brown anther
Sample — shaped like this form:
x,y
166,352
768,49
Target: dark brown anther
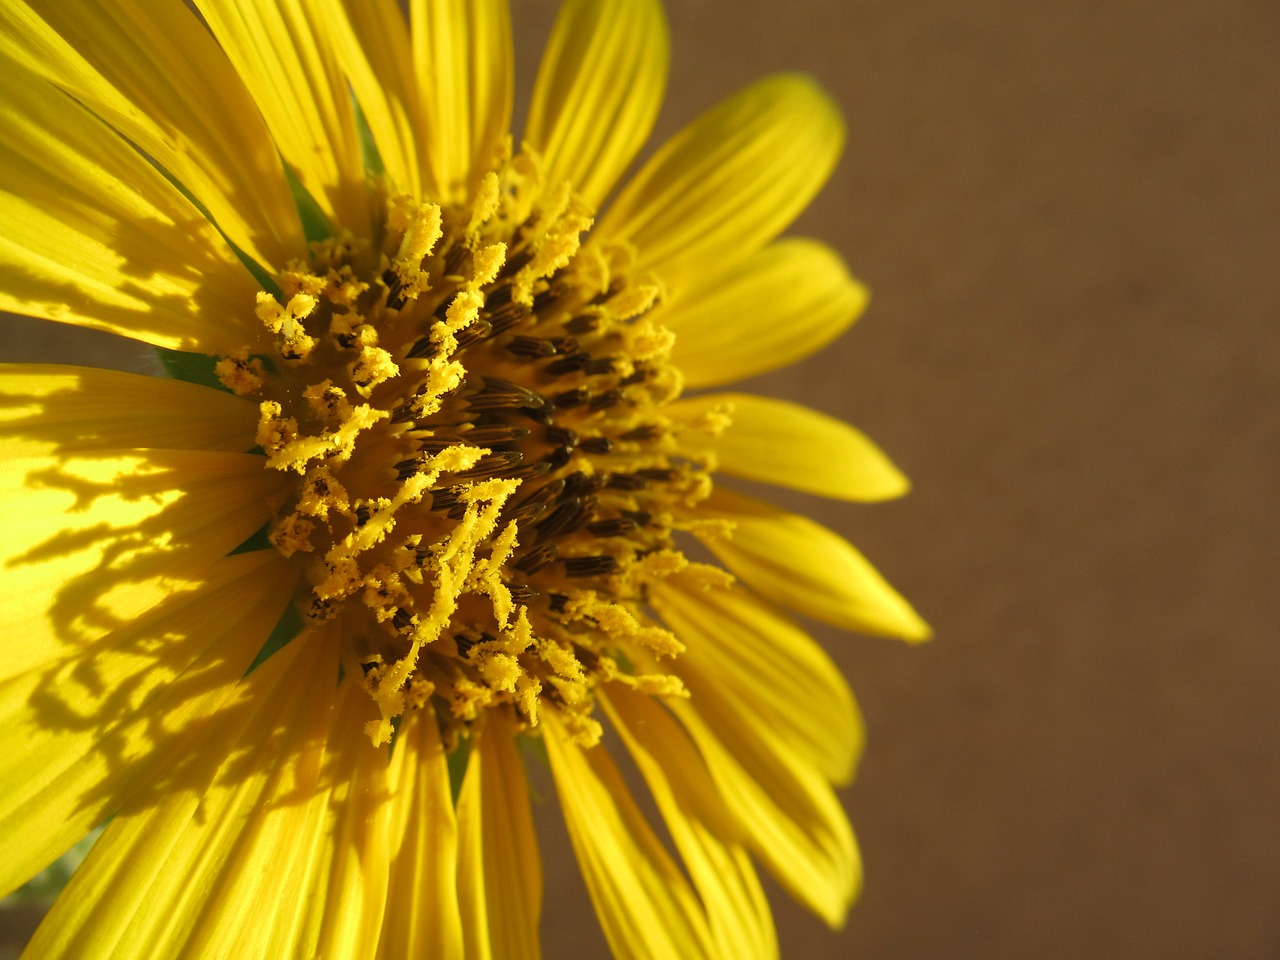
x,y
564,344
407,468
540,415
642,434
589,566
496,394
531,471
533,506
525,513
530,348
566,518
615,527
587,658
402,620
657,474
507,316
557,601
571,398
641,518
546,298
626,481
557,458
578,484
498,296
444,498
567,365
562,437
604,401
585,323
438,442
599,366
515,260
494,433
537,558
453,261
493,465
597,445
522,594
423,349
464,645
473,333
394,298
362,515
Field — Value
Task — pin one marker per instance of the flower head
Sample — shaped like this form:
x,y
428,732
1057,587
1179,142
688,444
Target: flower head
x,y
420,488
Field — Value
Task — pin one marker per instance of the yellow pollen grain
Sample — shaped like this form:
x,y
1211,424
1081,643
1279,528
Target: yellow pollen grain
x,y
484,206
239,373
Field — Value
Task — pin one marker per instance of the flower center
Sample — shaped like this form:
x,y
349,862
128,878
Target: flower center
x,y
469,406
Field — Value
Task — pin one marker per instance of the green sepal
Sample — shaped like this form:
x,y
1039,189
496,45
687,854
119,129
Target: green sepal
x,y
288,627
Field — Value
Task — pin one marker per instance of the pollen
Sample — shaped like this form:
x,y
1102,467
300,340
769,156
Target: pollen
x,y
482,475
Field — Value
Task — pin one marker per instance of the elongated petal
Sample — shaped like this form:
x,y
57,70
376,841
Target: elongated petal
x,y
422,917
729,182
804,566
500,872
371,42
120,718
296,83
92,540
90,233
769,310
463,60
751,667
779,442
704,831
276,848
153,72
46,408
598,91
643,903
791,819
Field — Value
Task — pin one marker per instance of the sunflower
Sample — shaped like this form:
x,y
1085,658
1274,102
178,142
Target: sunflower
x,y
413,507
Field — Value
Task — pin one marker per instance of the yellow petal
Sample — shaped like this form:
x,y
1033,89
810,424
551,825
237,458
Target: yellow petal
x,y
273,846
140,891
500,872
644,905
802,565
775,307
464,63
120,718
750,666
92,540
598,91
729,182
704,831
790,818
90,233
422,917
371,41
348,900
779,442
153,72
296,83
46,408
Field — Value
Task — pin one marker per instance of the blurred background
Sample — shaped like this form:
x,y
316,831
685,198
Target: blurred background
x,y
1069,218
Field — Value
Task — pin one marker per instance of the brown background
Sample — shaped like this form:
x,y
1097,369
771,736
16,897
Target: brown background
x,y
1068,216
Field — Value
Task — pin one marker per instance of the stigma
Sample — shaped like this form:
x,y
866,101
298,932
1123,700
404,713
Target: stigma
x,y
469,406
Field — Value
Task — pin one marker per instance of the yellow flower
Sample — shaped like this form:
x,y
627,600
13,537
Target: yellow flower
x,y
416,497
